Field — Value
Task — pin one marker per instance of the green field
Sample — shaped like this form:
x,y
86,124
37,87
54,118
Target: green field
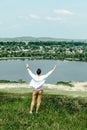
x,y
57,111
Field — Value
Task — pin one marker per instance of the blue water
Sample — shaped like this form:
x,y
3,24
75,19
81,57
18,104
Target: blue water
x,y
15,70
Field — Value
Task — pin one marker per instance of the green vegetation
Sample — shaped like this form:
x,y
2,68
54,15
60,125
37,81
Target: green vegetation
x,y
66,83
57,50
8,81
56,113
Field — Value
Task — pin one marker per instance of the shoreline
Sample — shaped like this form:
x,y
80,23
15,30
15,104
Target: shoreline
x,y
29,58
77,86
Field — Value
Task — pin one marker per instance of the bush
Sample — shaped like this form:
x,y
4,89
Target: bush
x,y
65,83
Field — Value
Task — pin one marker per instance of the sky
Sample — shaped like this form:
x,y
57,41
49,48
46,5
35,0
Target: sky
x,y
43,18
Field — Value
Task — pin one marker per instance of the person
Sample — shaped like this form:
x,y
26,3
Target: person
x,y
37,83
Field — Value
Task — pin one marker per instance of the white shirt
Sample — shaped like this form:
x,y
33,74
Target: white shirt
x,y
38,80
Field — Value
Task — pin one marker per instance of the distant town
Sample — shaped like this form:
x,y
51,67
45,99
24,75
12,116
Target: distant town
x,y
55,49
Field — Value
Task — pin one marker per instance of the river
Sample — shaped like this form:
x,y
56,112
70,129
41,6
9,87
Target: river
x,y
15,70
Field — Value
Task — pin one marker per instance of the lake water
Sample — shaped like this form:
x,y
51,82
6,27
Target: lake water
x,y
66,70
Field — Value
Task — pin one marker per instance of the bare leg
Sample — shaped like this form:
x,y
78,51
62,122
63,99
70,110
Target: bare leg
x,y
33,102
39,100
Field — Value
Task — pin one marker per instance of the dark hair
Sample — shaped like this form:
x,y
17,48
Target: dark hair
x,y
38,71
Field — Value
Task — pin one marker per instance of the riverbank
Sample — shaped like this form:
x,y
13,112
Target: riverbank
x,y
41,58
76,86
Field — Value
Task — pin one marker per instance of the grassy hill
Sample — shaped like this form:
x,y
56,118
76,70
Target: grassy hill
x,y
57,112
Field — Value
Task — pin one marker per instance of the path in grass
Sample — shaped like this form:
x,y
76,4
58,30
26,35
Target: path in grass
x,y
74,91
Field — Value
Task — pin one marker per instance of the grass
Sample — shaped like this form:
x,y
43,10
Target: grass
x,y
57,112
47,91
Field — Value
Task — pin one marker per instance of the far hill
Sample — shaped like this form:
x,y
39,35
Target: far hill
x,y
33,39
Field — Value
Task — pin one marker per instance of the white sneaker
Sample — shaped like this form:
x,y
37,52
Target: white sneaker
x,y
30,112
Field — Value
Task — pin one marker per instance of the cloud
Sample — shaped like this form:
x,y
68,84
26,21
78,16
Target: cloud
x,y
36,17
30,16
63,11
33,16
54,18
23,17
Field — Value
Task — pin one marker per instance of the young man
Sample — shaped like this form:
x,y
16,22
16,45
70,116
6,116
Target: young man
x,y
37,83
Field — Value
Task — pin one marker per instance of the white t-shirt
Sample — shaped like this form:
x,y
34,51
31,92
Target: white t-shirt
x,y
38,81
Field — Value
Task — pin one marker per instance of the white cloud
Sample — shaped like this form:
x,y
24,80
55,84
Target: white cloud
x,y
33,16
30,16
24,17
36,17
63,11
54,18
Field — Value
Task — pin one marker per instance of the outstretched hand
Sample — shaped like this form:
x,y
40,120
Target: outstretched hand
x,y
27,66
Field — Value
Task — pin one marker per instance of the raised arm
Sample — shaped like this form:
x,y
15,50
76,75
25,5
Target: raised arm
x,y
50,72
29,71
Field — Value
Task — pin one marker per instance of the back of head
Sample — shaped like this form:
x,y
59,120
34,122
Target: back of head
x,y
38,71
